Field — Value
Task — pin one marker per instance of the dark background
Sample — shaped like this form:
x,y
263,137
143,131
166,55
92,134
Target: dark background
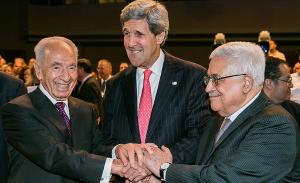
x,y
96,30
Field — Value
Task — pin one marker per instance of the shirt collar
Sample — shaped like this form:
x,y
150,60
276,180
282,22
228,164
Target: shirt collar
x,y
156,68
53,101
87,77
238,112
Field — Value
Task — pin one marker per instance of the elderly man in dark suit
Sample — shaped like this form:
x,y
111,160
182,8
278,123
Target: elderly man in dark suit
x,y
160,99
257,141
10,88
51,135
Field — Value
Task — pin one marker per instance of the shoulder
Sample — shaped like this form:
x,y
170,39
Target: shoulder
x,y
183,64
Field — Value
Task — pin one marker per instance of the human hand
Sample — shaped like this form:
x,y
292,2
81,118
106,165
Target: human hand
x,y
118,167
157,158
149,179
130,153
137,174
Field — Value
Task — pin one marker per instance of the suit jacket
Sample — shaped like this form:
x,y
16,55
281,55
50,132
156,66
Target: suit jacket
x,y
259,146
179,112
39,150
10,87
90,92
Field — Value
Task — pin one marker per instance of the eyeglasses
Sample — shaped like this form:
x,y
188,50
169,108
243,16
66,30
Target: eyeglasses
x,y
288,81
216,78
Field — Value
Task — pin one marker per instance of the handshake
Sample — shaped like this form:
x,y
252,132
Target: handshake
x,y
140,162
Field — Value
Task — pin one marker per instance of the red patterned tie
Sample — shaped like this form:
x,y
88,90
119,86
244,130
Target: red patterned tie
x,y
145,106
60,107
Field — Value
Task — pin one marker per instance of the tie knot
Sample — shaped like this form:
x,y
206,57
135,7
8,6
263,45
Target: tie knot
x,y
147,73
60,105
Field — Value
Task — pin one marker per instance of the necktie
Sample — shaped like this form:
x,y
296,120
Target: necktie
x,y
60,107
145,107
223,127
103,87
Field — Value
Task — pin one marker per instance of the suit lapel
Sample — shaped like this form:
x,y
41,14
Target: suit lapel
x,y
170,79
75,119
249,112
207,141
130,96
47,110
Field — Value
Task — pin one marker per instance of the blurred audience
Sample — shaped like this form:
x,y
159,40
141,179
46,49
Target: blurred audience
x,y
273,52
19,63
104,73
123,66
7,68
26,75
295,93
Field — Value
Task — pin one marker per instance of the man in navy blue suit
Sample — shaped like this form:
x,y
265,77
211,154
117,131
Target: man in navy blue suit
x,y
176,106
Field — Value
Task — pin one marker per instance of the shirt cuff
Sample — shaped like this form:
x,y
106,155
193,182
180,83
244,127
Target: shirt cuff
x,y
106,174
113,153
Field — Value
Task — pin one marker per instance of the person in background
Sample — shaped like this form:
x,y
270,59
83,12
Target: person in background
x,y
8,69
104,74
89,88
278,84
123,66
160,98
31,62
26,76
295,91
10,88
256,141
2,61
273,52
296,67
19,63
54,138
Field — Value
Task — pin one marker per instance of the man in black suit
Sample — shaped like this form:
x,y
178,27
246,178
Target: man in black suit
x,y
278,84
52,136
258,141
89,88
10,88
169,107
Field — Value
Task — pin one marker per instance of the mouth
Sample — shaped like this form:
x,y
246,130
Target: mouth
x,y
214,94
134,51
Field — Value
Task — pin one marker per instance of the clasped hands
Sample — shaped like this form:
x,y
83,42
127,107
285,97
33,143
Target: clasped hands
x,y
140,162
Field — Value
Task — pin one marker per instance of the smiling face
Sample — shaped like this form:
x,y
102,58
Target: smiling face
x,y
58,71
141,45
229,94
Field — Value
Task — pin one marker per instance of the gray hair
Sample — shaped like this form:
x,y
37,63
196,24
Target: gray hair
x,y
154,12
243,58
43,46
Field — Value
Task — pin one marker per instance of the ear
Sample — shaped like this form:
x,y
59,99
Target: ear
x,y
248,84
38,71
160,37
269,84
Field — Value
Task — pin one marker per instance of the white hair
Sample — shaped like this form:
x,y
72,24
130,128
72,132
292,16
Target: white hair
x,y
243,58
45,44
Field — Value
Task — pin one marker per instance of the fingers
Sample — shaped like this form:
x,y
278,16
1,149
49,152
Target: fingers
x,y
168,154
122,154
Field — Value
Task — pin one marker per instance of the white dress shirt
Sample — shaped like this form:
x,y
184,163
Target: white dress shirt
x,y
156,70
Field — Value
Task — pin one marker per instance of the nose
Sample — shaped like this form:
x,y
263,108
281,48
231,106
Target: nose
x,y
65,75
130,40
209,86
